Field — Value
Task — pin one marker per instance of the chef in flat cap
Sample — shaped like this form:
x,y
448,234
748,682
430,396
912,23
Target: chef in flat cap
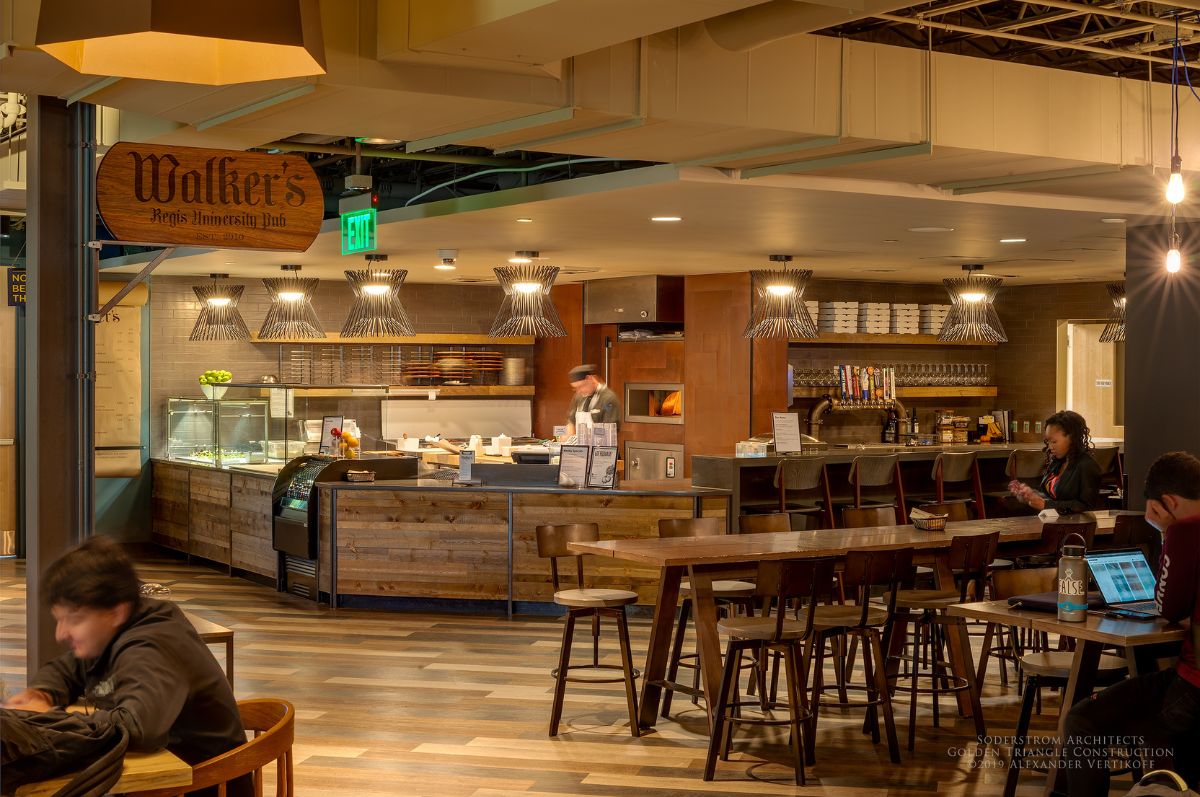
x,y
591,396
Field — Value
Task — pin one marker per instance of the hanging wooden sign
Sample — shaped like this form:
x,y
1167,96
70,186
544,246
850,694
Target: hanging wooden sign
x,y
228,199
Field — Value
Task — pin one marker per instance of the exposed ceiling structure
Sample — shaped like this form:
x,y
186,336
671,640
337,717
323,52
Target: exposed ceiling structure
x,y
840,122
1125,39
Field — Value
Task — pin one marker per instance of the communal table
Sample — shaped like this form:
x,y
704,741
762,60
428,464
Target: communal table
x,y
139,772
705,558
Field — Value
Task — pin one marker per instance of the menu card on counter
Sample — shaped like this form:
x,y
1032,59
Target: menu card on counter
x,y
329,443
573,466
786,426
603,470
466,459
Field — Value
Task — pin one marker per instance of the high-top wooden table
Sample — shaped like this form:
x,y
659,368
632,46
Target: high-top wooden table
x,y
705,558
212,634
139,772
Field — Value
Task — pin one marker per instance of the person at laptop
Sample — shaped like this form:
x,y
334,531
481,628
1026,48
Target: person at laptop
x,y
1071,477
1161,707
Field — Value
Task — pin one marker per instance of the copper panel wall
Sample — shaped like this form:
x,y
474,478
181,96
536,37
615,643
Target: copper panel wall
x,y
554,357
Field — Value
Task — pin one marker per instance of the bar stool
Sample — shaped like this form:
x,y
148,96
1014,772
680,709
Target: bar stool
x,y
1024,465
1011,641
875,472
957,512
1112,473
740,593
1050,669
781,582
958,469
552,544
970,554
768,523
1132,531
1045,552
800,477
870,623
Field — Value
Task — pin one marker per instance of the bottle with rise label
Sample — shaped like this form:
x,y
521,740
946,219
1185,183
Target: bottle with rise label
x,y
1072,582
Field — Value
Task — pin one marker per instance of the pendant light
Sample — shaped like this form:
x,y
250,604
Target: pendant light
x,y
291,313
973,314
1114,330
219,317
527,309
377,310
778,309
1175,189
217,42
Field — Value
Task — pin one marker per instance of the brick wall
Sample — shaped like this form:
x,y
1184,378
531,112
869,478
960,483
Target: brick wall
x,y
176,362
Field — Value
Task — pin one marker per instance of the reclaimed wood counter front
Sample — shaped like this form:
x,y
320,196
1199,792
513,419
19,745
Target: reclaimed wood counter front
x,y
395,541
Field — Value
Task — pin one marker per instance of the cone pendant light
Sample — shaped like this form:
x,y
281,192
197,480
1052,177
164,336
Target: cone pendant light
x,y
973,314
219,317
377,310
291,313
778,303
527,309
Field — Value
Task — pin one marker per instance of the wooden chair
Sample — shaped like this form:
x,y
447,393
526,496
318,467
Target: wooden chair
x,y
805,477
1046,551
1132,531
1112,473
273,723
1011,641
582,603
957,512
724,591
868,517
961,468
778,582
875,472
970,555
768,523
1024,465
868,623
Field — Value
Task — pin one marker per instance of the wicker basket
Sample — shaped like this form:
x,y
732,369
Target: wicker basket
x,y
934,523
363,476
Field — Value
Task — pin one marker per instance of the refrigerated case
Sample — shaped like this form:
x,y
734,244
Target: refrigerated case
x,y
218,431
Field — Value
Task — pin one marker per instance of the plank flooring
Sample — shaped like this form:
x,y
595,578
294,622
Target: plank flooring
x,y
457,706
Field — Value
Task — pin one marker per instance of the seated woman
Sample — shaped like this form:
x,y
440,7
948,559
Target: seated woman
x,y
1071,478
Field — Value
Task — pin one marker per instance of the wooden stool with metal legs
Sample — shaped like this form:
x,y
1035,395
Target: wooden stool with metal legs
x,y
1046,551
735,592
970,555
1050,669
957,511
868,623
879,471
1024,465
955,468
872,516
1011,642
800,580
768,523
552,544
805,477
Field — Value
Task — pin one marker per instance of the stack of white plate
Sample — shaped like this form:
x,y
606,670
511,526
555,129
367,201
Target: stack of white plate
x,y
838,317
906,319
875,318
813,307
933,316
514,371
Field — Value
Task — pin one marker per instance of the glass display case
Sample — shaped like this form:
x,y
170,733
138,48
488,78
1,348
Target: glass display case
x,y
218,431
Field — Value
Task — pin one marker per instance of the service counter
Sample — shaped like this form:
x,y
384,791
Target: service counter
x,y
419,543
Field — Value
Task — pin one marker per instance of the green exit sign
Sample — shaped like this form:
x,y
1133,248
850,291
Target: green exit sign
x,y
358,231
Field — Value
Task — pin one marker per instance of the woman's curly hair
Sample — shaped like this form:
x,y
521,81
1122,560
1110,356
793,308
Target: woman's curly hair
x,y
1075,427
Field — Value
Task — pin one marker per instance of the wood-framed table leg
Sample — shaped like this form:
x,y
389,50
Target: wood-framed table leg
x,y
708,642
1079,686
959,648
659,649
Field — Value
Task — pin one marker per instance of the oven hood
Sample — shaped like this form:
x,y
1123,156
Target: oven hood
x,y
653,299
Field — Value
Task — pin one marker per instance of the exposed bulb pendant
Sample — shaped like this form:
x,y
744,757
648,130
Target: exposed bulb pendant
x,y
219,318
377,310
1175,189
777,303
973,314
1114,330
527,308
291,314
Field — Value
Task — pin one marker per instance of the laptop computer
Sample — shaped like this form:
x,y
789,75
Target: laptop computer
x,y
1125,580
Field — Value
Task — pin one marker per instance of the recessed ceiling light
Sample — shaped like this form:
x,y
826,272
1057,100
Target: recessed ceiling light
x,y
1012,240
891,240
1113,221
666,218
444,266
931,229
524,220
377,141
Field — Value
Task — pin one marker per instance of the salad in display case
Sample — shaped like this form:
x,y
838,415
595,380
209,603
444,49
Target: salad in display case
x,y
218,432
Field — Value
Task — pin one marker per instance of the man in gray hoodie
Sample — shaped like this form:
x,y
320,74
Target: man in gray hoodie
x,y
133,660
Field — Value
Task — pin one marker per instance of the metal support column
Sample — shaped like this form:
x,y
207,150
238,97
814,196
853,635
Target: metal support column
x,y
59,351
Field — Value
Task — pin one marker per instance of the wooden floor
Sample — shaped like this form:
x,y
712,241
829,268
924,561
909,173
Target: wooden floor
x,y
411,704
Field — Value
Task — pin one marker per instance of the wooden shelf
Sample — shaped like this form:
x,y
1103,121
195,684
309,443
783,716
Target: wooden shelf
x,y
441,339
860,338
949,391
448,391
